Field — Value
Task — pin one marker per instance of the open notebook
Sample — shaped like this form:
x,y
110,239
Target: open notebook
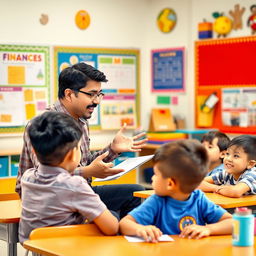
x,y
128,165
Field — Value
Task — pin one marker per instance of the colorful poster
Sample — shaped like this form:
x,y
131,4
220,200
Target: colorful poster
x,y
117,110
121,73
23,65
19,105
121,69
168,70
24,84
239,107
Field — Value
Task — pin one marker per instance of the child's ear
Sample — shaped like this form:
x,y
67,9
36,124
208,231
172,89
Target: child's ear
x,y
70,156
223,153
73,154
251,164
171,184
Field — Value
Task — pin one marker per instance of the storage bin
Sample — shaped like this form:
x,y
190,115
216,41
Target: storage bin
x,y
3,166
14,165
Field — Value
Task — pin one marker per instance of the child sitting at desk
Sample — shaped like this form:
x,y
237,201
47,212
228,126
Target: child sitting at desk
x,y
51,196
238,176
176,207
216,144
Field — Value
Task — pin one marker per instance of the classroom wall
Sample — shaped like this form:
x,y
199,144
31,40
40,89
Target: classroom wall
x,y
121,24
114,24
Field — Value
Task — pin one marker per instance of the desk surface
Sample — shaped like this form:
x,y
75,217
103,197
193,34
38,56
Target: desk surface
x,y
10,211
223,201
118,245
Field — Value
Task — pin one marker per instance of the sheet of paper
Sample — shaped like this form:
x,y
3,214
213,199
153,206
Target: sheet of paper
x,y
136,239
128,165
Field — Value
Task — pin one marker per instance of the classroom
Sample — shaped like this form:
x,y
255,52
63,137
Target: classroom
x,y
129,44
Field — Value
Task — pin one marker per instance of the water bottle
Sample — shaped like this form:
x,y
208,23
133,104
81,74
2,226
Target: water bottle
x,y
243,227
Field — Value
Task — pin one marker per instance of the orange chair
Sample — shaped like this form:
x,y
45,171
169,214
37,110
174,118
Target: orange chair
x,y
63,231
69,230
9,196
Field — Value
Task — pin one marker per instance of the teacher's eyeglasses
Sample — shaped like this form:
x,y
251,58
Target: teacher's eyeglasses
x,y
93,95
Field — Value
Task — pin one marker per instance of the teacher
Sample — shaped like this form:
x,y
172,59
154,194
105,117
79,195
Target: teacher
x,y
79,92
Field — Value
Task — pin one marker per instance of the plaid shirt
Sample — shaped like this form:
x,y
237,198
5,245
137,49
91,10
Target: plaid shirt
x,y
29,160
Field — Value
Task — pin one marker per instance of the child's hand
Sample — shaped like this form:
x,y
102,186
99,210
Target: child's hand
x,y
195,231
149,233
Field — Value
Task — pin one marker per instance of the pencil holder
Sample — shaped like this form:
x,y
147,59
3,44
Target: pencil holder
x,y
243,227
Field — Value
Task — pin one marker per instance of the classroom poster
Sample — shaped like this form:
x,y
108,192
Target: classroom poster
x,y
117,110
121,73
168,70
23,65
24,84
121,69
239,107
19,105
12,111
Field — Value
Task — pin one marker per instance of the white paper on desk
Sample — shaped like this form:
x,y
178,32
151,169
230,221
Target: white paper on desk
x,y
128,165
136,239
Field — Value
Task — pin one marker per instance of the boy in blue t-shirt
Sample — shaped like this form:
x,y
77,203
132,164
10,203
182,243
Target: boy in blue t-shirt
x,y
238,176
176,207
216,144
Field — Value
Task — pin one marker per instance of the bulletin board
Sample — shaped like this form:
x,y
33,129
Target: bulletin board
x,y
227,67
121,103
167,70
24,85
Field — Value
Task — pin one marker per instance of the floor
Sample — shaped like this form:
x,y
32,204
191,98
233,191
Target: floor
x,y
3,249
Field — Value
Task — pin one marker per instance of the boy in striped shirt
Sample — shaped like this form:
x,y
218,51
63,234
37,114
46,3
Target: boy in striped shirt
x,y
239,174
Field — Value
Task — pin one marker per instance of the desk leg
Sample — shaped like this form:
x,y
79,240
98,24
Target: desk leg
x,y
12,249
9,233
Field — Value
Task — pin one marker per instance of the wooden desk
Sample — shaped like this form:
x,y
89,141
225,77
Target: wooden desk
x,y
119,246
9,223
229,202
223,201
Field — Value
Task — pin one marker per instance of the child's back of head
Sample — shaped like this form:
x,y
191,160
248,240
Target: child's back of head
x,y
183,160
52,136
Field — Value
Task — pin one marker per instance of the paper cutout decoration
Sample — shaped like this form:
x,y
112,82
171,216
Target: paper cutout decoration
x,y
222,24
166,20
16,75
236,14
252,19
165,100
44,19
204,30
161,120
82,19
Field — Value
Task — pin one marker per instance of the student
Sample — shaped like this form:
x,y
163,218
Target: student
x,y
238,176
50,195
79,94
176,207
216,144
